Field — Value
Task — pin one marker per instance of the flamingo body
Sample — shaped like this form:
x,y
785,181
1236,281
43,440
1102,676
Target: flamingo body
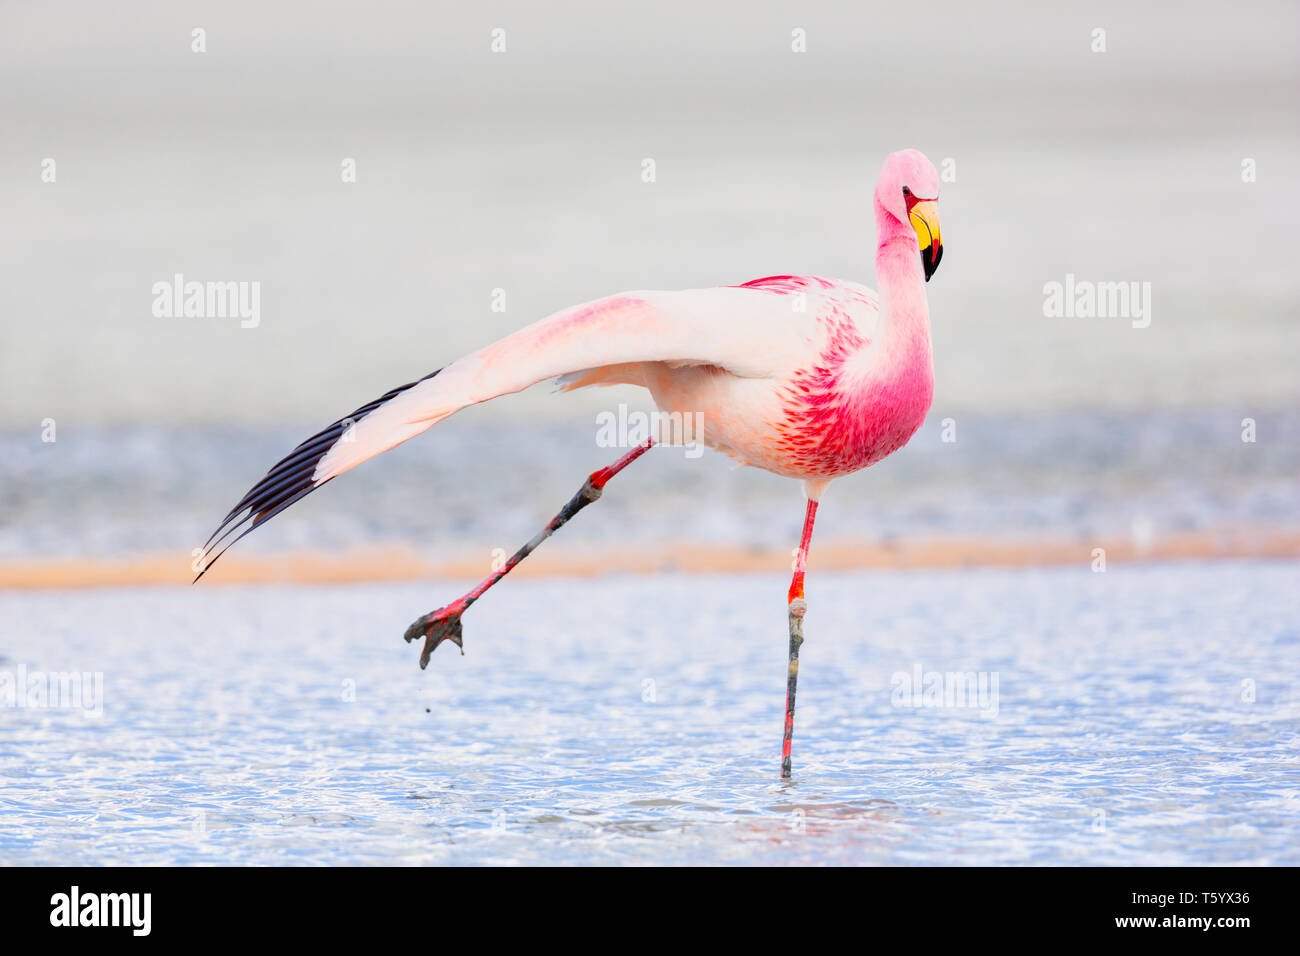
x,y
806,377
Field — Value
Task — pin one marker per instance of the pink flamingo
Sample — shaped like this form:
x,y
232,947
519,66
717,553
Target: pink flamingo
x,y
806,377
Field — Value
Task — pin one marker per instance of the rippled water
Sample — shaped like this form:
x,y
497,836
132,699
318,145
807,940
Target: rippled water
x,y
472,484
1145,715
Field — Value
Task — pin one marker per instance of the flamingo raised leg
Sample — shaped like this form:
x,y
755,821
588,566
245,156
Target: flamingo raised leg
x,y
444,623
805,377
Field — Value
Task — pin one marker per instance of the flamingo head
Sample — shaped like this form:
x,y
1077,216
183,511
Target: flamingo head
x,y
908,190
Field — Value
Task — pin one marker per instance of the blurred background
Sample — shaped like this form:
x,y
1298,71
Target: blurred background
x,y
1162,150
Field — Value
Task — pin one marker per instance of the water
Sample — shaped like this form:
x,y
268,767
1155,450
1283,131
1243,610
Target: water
x,y
637,720
471,485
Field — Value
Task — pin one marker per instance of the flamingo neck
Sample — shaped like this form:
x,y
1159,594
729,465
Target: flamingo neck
x,y
905,314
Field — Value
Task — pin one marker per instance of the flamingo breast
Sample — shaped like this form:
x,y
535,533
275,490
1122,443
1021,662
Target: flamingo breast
x,y
851,403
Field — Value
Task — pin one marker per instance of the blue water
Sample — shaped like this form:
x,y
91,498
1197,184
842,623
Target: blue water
x,y
1146,715
471,485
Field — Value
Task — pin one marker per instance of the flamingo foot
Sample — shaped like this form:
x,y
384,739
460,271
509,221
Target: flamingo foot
x,y
436,627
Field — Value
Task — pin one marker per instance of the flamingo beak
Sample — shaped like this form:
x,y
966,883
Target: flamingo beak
x,y
925,220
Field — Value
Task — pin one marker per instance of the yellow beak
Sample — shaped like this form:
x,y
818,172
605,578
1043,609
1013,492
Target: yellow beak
x,y
925,220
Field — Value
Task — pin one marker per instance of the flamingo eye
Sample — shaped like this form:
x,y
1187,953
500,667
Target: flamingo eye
x,y
906,191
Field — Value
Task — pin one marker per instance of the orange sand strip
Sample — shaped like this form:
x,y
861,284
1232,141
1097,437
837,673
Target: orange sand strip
x,y
401,564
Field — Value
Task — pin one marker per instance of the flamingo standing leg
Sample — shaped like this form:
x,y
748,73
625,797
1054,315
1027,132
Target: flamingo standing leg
x,y
797,608
444,623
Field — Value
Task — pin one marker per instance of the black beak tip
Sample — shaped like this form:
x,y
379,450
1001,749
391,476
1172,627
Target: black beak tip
x,y
931,262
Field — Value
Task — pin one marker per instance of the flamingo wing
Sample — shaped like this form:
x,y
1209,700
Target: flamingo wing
x,y
747,331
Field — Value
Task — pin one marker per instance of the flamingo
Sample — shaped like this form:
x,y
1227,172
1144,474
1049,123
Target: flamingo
x,y
806,377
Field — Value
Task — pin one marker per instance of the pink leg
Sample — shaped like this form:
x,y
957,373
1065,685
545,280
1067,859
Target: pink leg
x,y
797,607
444,624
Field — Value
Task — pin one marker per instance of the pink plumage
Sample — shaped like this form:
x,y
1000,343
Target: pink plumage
x,y
807,377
